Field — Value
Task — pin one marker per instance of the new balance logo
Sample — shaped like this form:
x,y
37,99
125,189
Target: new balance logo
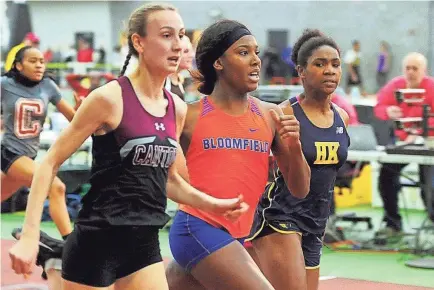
x,y
339,130
160,126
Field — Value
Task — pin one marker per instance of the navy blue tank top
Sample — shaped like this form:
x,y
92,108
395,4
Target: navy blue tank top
x,y
130,167
325,150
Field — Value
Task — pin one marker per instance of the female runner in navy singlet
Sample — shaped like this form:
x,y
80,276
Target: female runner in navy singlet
x,y
287,233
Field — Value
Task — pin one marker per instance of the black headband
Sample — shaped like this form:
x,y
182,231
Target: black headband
x,y
227,41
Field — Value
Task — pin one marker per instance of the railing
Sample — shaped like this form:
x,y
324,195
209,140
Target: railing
x,y
270,93
58,71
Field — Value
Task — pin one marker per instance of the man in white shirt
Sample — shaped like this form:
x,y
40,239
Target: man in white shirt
x,y
353,60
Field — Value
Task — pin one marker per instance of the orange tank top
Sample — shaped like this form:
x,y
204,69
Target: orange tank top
x,y
228,156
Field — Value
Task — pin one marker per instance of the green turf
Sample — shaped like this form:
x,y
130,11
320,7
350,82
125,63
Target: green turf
x,y
381,267
11,221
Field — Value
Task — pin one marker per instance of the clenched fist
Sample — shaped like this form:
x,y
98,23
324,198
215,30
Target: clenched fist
x,y
288,127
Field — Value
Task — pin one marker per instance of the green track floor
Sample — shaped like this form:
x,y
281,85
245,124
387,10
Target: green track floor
x,y
381,267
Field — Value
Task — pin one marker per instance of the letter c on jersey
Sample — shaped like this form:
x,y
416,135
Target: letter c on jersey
x,y
25,110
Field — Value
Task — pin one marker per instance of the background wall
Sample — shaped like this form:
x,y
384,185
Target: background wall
x,y
56,22
406,26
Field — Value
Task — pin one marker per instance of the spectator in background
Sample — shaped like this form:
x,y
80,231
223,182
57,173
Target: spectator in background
x,y
99,56
353,60
57,55
30,39
273,66
48,55
82,85
70,54
286,57
383,65
387,108
85,51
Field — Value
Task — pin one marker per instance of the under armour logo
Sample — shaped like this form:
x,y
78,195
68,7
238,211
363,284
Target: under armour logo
x,y
160,126
339,130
